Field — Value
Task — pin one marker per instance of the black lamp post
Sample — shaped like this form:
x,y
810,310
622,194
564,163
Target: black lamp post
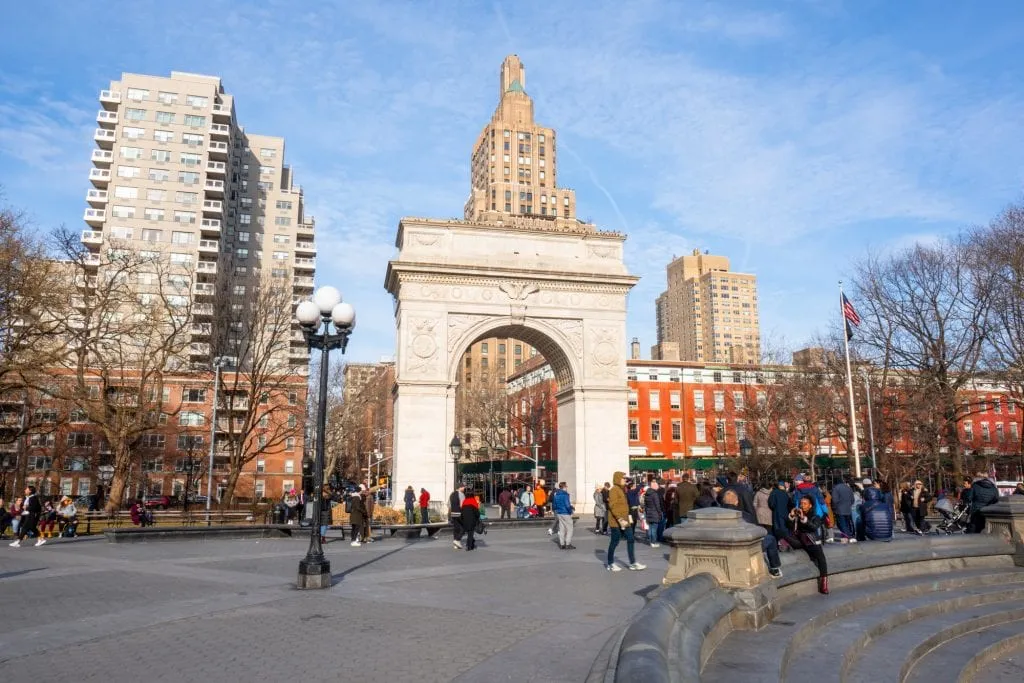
x,y
316,317
455,448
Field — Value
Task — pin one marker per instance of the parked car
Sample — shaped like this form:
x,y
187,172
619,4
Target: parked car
x,y
156,502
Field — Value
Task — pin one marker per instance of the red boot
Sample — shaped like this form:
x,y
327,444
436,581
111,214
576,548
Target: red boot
x,y
823,585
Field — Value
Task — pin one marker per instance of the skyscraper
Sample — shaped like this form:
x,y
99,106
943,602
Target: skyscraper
x,y
175,174
514,168
708,313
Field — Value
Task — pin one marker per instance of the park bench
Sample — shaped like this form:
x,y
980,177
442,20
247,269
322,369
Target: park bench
x,y
414,530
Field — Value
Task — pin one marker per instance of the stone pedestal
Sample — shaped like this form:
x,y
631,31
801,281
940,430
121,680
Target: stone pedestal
x,y
716,541
1006,519
314,574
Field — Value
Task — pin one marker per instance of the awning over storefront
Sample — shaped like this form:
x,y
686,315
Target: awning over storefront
x,y
505,466
665,464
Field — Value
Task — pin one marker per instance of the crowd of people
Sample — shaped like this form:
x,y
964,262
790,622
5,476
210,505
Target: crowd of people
x,y
30,517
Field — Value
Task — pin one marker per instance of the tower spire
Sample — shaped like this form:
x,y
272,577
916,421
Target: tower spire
x,y
513,76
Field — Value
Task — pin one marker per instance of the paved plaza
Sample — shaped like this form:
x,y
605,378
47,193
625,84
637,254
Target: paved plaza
x,y
517,609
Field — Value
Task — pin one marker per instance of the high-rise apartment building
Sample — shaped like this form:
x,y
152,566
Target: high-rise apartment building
x,y
708,312
175,174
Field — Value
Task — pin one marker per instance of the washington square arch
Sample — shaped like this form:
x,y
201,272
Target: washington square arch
x,y
519,265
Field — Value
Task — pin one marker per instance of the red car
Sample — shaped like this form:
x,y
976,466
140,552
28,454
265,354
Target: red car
x,y
156,502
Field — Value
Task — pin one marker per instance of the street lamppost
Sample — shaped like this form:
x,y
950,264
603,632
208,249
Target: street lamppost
x,y
218,363
871,422
455,448
316,317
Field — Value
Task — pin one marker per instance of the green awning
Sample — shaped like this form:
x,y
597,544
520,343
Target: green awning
x,y
505,466
662,464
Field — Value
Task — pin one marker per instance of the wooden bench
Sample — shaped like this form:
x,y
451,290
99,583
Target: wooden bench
x,y
414,530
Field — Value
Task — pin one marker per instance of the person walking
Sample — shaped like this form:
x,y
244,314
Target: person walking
x,y
424,506
618,520
780,504
600,511
805,533
30,511
357,517
540,497
455,515
842,507
410,505
919,498
762,512
561,505
633,498
654,513
470,517
907,508
686,496
505,503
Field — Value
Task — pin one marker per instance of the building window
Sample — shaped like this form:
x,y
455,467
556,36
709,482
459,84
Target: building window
x,y
720,430
79,440
633,399
655,430
762,399
289,466
737,400
677,430
138,94
634,430
654,400
968,431
191,419
698,399
193,395
1000,433
719,400
190,442
986,434
673,400
289,443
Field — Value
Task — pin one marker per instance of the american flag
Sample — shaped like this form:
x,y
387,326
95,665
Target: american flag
x,y
850,316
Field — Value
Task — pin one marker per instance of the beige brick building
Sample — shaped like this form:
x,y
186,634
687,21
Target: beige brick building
x,y
174,173
708,313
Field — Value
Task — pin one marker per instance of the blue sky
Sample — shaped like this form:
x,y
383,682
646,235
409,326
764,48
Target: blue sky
x,y
792,136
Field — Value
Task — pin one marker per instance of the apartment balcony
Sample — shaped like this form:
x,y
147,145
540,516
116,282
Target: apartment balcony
x,y
305,248
102,158
202,329
211,225
110,98
302,283
220,130
239,403
91,260
221,112
106,119
305,229
207,267
104,138
217,149
203,310
85,281
216,168
298,354
95,217
214,188
96,198
198,349
209,246
92,237
204,289
305,263
99,177
213,206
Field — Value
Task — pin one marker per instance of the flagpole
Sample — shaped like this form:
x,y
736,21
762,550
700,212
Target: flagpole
x,y
849,387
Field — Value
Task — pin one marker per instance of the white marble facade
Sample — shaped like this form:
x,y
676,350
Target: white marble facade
x,y
564,293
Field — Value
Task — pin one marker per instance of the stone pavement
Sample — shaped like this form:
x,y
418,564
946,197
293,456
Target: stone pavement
x,y
517,609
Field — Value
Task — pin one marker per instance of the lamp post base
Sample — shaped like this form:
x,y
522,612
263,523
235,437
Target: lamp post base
x,y
314,574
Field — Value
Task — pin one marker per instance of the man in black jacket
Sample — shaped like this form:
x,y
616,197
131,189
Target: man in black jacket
x,y
780,504
983,493
455,515
30,511
743,493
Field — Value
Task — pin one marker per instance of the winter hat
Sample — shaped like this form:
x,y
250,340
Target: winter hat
x,y
867,481
798,478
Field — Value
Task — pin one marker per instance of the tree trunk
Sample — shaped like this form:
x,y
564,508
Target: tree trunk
x,y
229,490
119,482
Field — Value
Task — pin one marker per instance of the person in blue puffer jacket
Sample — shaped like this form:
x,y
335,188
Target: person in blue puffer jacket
x,y
876,517
561,505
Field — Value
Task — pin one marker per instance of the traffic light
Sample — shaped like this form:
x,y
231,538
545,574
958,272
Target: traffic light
x,y
307,477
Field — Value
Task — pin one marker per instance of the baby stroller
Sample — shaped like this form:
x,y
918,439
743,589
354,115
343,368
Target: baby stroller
x,y
955,517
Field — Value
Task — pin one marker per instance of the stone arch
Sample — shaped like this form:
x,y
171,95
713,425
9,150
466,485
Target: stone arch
x,y
551,342
563,292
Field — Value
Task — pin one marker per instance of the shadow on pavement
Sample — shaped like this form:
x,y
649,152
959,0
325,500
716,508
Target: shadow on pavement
x,y
336,578
9,575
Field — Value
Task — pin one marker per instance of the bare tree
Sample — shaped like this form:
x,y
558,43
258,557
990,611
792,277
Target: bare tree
x,y
923,311
263,396
125,327
998,253
482,407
